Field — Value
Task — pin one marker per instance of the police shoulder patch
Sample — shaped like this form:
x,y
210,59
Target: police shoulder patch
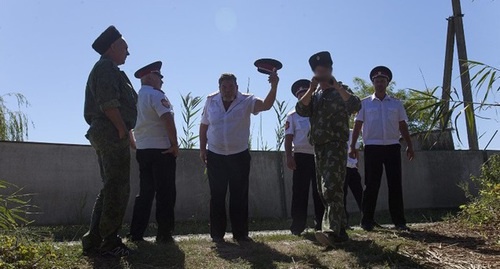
x,y
166,103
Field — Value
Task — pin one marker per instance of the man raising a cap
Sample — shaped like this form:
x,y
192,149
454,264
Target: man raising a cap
x,y
157,149
225,128
110,110
328,108
383,120
301,160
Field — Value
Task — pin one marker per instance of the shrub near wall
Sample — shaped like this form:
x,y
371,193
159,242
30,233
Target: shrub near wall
x,y
484,209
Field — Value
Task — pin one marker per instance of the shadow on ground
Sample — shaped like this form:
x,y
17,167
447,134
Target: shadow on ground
x,y
146,255
369,254
260,255
475,244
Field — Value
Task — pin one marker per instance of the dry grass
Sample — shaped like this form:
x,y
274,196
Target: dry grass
x,y
442,244
438,245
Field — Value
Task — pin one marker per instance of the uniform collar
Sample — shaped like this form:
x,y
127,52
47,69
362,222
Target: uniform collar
x,y
386,98
238,97
147,87
103,57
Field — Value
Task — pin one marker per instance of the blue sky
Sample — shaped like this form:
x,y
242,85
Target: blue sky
x,y
46,54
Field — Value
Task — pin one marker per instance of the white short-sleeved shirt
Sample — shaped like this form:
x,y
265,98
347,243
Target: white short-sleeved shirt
x,y
352,163
150,132
299,126
228,131
381,120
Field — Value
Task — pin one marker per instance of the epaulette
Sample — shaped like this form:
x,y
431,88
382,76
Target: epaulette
x,y
212,94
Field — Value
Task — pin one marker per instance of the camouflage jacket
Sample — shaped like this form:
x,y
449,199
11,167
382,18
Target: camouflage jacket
x,y
109,87
329,116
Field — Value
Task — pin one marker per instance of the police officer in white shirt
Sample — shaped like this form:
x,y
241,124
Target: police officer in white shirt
x,y
157,149
225,128
300,158
383,119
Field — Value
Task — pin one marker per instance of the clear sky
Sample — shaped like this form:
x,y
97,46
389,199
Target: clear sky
x,y
46,54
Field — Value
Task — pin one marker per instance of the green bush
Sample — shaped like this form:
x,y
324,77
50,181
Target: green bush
x,y
34,252
20,248
13,206
484,209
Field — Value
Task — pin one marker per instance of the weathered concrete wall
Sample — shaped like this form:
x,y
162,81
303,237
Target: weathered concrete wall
x,y
65,180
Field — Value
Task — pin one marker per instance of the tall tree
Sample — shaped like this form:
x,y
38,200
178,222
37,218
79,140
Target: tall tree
x,y
14,124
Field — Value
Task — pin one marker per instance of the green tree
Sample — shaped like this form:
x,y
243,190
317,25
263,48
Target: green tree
x,y
484,80
13,123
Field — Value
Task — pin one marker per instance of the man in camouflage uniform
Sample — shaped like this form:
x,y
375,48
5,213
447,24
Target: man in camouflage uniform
x,y
328,108
110,110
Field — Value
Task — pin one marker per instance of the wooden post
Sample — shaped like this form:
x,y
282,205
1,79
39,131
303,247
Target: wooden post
x,y
447,76
470,118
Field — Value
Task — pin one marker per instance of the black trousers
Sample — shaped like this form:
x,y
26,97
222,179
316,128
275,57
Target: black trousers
x,y
303,176
157,180
376,158
353,182
233,171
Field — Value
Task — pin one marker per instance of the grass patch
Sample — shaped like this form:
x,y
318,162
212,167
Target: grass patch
x,y
75,232
266,252
435,245
58,247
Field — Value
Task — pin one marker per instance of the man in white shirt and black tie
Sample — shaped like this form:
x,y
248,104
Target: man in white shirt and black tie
x,y
383,121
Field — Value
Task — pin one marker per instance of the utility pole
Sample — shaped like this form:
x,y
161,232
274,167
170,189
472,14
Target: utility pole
x,y
447,76
456,30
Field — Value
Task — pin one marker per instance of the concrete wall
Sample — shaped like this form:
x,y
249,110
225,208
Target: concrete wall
x,y
65,181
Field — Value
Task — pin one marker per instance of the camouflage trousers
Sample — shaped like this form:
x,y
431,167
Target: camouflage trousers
x,y
331,159
109,209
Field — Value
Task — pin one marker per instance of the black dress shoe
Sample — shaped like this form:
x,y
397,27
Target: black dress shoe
x,y
341,238
164,239
367,227
370,226
402,227
243,239
135,239
218,240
